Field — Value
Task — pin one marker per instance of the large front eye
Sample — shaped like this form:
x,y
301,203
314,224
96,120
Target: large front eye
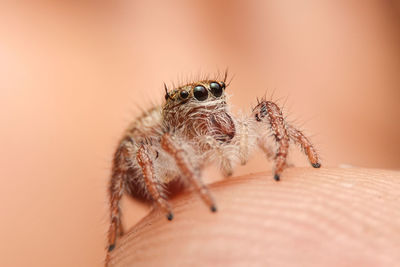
x,y
200,92
216,89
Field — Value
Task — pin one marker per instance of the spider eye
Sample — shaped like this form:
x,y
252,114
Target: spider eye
x,y
216,89
200,93
184,94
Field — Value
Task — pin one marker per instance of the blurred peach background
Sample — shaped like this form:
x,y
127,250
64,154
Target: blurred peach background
x,y
72,75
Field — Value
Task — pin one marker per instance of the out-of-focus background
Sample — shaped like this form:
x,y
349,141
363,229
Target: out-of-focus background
x,y
72,75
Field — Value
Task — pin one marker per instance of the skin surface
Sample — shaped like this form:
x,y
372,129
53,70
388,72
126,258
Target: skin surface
x,y
326,217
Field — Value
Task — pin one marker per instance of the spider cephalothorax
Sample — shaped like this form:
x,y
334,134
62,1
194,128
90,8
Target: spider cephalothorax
x,y
193,128
199,109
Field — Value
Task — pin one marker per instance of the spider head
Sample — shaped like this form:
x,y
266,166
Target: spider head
x,y
199,109
198,94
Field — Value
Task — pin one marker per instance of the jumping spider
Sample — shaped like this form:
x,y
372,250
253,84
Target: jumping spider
x,y
192,129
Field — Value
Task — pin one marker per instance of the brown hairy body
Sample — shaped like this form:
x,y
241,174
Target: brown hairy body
x,y
193,128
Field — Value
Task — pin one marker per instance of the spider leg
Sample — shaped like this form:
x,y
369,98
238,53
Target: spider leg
x,y
153,186
267,111
116,189
283,132
187,169
124,160
299,138
268,151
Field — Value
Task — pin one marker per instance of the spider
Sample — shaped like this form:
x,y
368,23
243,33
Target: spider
x,y
192,129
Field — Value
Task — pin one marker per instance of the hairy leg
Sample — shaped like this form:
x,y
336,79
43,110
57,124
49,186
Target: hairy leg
x,y
267,111
116,191
299,138
123,163
120,169
187,170
153,186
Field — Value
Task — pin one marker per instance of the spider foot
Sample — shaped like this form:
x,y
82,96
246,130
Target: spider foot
x,y
111,247
316,165
170,216
213,208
